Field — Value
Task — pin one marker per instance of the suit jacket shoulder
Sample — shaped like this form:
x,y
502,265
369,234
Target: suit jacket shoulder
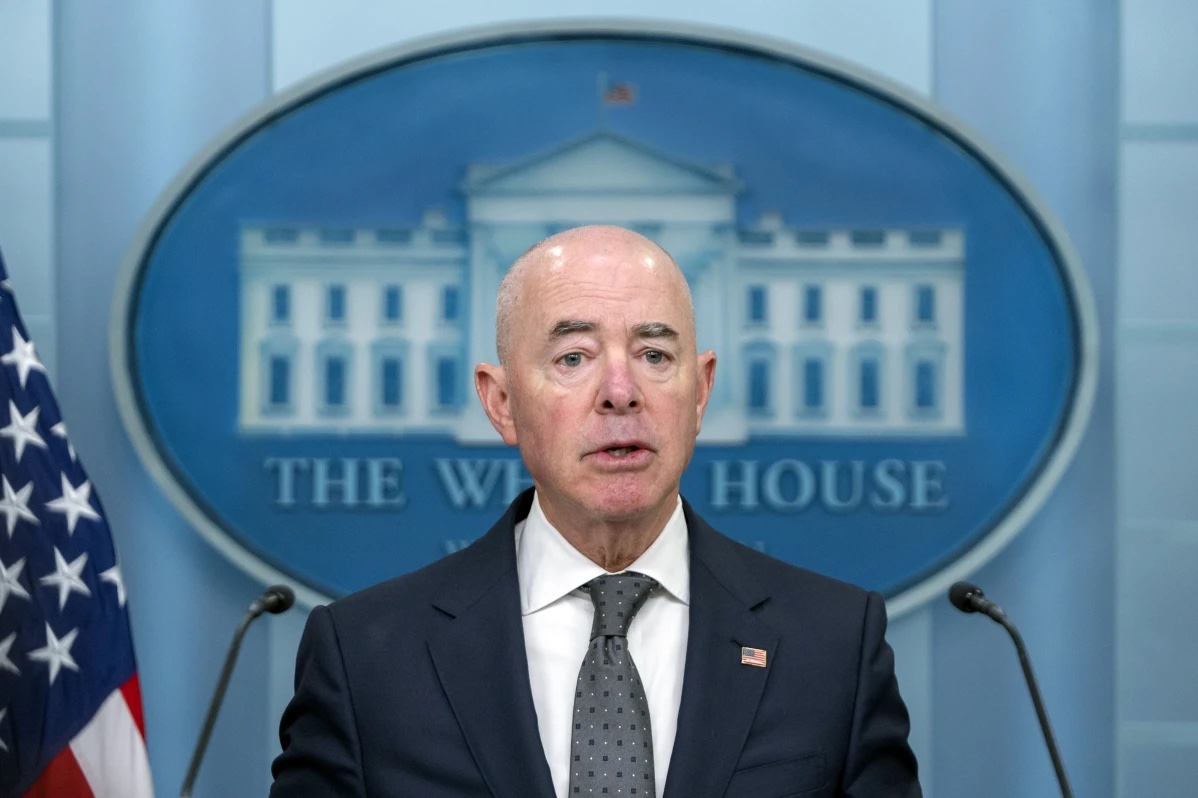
x,y
787,594
418,686
451,583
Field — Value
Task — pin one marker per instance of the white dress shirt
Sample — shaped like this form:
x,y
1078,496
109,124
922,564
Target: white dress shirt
x,y
557,619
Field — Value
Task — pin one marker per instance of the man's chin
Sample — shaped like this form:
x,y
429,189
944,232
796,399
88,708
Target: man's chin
x,y
627,504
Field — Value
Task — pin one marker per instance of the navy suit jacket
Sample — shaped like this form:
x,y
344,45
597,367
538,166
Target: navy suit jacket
x,y
419,686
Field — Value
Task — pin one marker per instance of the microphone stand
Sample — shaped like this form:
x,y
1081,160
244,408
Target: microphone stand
x,y
1025,662
276,599
969,598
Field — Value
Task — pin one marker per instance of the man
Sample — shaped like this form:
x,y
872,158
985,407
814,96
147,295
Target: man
x,y
487,673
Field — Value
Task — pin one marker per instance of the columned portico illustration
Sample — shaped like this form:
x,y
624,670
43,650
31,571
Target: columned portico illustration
x,y
822,331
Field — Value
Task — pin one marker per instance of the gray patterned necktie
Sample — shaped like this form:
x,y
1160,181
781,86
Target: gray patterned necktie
x,y
612,745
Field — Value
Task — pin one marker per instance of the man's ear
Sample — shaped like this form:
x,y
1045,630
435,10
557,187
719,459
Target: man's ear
x,y
491,383
706,378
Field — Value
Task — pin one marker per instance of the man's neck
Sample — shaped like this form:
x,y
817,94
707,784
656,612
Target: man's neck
x,y
613,545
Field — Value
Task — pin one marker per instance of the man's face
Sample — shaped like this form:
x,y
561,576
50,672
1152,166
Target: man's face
x,y
603,391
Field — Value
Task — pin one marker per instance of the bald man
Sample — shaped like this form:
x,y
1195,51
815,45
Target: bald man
x,y
601,638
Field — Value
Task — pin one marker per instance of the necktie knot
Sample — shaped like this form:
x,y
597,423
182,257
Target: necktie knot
x,y
617,598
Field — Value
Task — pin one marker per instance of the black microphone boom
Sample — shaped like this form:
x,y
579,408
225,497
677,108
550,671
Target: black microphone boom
x,y
275,599
970,598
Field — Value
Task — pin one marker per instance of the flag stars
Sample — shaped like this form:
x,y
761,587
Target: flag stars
x,y
113,577
59,430
10,584
3,747
73,503
56,653
67,577
22,429
6,664
22,357
15,505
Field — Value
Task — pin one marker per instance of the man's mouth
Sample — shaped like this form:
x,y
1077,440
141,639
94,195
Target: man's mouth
x,y
622,451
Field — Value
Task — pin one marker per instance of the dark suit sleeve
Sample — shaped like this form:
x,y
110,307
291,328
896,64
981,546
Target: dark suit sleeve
x,y
321,752
880,762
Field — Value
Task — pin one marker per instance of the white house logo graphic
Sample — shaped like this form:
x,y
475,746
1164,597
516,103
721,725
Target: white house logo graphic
x,y
831,331
905,344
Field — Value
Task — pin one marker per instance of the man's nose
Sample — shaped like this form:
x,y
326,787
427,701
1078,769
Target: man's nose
x,y
618,389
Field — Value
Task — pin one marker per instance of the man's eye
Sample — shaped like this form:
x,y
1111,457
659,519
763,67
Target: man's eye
x,y
573,359
654,357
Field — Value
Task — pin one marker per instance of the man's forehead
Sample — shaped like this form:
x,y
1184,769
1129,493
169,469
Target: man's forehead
x,y
582,290
609,278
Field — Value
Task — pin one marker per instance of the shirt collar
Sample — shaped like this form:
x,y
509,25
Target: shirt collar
x,y
549,568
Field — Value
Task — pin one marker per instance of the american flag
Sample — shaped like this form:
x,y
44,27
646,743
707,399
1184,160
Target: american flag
x,y
619,94
70,706
752,656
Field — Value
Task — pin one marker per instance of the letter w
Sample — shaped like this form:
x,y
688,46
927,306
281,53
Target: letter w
x,y
469,482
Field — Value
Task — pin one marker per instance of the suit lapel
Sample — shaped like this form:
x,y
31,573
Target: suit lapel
x,y
719,694
481,661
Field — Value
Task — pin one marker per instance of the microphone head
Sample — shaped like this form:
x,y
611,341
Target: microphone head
x,y
278,598
961,595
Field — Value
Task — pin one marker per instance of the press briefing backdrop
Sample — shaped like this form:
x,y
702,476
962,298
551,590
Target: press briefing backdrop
x,y
136,93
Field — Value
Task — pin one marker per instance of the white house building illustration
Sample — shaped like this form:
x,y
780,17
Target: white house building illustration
x,y
848,332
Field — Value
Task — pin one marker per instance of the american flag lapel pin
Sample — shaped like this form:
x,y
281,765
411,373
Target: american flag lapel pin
x,y
752,656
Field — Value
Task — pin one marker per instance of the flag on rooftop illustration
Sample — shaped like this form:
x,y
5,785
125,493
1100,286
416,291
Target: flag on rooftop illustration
x,y
612,93
619,94
70,704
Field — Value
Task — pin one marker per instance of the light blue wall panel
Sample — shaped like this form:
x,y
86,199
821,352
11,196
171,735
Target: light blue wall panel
x,y
1158,647
911,638
27,236
1159,230
1160,62
1160,770
141,88
27,220
25,55
1158,375
1039,81
1158,428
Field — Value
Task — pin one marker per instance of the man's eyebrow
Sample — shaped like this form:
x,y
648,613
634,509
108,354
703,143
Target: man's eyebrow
x,y
654,329
645,329
571,326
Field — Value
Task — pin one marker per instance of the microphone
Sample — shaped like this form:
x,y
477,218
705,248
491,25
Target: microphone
x,y
275,599
969,598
